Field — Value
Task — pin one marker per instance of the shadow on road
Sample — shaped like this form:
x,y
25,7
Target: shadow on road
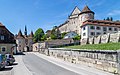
x,y
7,69
21,53
15,63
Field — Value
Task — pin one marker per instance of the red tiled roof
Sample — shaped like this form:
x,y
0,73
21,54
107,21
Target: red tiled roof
x,y
101,23
86,9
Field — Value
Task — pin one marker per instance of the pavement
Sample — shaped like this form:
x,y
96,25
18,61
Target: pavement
x,y
20,68
39,66
77,68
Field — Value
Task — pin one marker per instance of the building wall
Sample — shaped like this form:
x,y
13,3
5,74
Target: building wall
x,y
88,31
9,48
20,44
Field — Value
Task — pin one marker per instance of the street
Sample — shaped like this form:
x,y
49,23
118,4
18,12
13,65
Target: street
x,y
39,66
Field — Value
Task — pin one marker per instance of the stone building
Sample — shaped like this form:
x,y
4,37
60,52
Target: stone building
x,y
75,20
84,24
24,42
7,41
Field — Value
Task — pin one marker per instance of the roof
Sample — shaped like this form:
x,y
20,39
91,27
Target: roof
x,y
31,34
76,11
101,23
86,9
20,35
1,24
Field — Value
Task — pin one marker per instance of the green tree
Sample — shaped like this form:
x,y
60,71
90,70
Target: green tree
x,y
78,37
63,34
38,35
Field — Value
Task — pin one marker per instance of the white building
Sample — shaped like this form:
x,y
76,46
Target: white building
x,y
84,24
24,42
92,28
70,35
75,20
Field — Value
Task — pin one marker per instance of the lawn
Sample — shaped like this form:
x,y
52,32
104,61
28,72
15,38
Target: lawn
x,y
108,46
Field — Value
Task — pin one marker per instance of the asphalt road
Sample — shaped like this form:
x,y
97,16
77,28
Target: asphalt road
x,y
39,66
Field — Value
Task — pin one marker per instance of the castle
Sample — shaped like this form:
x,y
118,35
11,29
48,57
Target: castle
x,y
84,24
24,42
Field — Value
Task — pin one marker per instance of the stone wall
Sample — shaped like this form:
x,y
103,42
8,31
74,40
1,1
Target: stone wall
x,y
103,60
106,38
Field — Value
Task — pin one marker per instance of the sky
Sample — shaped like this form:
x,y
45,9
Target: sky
x,y
45,14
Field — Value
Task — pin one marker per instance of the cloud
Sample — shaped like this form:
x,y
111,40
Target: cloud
x,y
114,13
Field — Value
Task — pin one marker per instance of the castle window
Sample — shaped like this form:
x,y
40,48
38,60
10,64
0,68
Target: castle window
x,y
115,29
98,33
84,34
92,33
104,33
98,28
83,28
110,29
2,37
104,29
92,27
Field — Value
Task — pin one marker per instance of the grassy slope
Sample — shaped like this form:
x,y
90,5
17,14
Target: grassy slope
x,y
108,46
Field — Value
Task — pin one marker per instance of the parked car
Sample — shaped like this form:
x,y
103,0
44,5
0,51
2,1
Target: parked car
x,y
2,61
10,59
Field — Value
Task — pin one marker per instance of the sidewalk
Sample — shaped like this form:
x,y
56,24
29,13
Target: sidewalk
x,y
20,68
77,68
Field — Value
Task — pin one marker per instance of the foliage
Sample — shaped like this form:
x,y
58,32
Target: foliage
x,y
38,35
78,37
55,33
107,46
63,34
44,38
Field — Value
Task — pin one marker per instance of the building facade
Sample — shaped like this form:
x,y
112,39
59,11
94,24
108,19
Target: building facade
x,y
7,41
75,20
84,24
24,42
95,28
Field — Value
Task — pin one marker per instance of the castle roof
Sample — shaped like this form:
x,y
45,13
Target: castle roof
x,y
31,34
101,23
86,9
76,11
20,35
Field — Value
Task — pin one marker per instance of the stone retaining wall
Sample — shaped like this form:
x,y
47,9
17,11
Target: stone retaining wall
x,y
104,60
106,38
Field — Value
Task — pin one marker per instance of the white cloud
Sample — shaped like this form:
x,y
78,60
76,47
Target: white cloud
x,y
114,12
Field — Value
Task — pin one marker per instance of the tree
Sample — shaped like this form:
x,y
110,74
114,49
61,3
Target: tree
x,y
78,37
63,34
38,35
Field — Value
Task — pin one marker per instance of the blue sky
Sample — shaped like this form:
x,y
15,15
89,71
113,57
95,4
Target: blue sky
x,y
45,14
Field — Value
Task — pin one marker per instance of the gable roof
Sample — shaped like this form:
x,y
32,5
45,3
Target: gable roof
x,y
76,11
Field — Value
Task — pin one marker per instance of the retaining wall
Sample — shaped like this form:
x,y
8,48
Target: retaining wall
x,y
105,60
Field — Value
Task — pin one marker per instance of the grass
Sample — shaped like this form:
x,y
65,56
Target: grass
x,y
107,46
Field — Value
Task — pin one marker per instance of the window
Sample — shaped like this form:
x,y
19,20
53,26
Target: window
x,y
92,27
115,29
2,37
104,29
83,28
98,33
84,34
104,33
110,29
98,28
92,33
3,49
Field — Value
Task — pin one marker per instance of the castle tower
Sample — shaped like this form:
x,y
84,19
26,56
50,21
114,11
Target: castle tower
x,y
25,31
86,14
20,42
